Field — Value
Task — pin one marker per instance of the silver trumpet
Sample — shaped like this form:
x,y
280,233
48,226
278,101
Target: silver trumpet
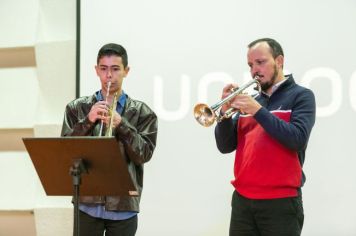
x,y
206,116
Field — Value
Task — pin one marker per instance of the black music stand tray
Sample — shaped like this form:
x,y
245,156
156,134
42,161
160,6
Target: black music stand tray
x,y
60,163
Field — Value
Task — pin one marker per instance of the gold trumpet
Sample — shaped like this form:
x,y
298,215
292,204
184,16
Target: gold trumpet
x,y
111,110
206,116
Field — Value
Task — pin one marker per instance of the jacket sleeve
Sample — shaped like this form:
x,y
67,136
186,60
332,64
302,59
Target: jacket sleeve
x,y
294,134
139,140
73,125
226,135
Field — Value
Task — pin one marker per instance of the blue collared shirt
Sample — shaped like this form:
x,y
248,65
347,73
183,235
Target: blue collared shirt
x,y
99,210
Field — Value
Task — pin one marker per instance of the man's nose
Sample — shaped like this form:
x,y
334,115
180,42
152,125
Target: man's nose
x,y
254,71
109,74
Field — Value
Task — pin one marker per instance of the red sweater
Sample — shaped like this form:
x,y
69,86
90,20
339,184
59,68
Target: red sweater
x,y
264,168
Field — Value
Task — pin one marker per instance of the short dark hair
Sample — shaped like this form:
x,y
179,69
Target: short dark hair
x,y
276,48
113,49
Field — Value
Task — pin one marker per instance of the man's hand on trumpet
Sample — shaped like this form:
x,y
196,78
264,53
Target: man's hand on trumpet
x,y
116,119
226,92
99,111
244,103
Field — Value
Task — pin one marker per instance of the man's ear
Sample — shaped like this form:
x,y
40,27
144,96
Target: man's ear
x,y
127,69
280,61
96,70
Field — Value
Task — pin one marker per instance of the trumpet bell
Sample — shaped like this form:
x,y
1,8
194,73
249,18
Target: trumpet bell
x,y
204,114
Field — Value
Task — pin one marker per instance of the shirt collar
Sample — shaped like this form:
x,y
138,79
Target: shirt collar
x,y
120,102
276,86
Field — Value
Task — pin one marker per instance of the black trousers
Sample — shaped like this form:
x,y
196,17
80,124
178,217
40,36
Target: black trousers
x,y
91,226
272,217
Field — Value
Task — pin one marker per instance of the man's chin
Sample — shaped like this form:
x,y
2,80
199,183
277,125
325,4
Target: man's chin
x,y
265,87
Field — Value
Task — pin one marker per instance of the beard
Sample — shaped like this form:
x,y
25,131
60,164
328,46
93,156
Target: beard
x,y
267,85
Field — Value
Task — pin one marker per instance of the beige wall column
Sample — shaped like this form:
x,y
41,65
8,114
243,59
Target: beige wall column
x,y
55,57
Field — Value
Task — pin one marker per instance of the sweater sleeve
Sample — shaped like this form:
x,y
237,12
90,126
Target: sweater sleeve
x,y
226,135
294,134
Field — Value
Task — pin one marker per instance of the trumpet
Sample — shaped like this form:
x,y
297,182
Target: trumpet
x,y
206,116
111,110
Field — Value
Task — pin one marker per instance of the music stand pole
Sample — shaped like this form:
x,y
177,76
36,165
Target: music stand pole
x,y
76,170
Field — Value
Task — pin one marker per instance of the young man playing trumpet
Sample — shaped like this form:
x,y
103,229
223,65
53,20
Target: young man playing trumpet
x,y
133,124
270,135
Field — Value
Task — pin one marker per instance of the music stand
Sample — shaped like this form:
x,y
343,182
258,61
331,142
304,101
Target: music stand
x,y
60,163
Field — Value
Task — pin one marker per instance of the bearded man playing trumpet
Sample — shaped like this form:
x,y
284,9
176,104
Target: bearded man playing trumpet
x,y
270,134
134,125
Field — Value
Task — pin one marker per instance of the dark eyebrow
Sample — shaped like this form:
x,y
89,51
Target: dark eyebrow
x,y
113,66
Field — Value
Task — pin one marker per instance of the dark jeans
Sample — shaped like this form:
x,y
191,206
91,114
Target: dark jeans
x,y
272,217
91,226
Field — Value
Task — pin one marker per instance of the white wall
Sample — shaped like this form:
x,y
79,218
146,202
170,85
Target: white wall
x,y
176,47
19,22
